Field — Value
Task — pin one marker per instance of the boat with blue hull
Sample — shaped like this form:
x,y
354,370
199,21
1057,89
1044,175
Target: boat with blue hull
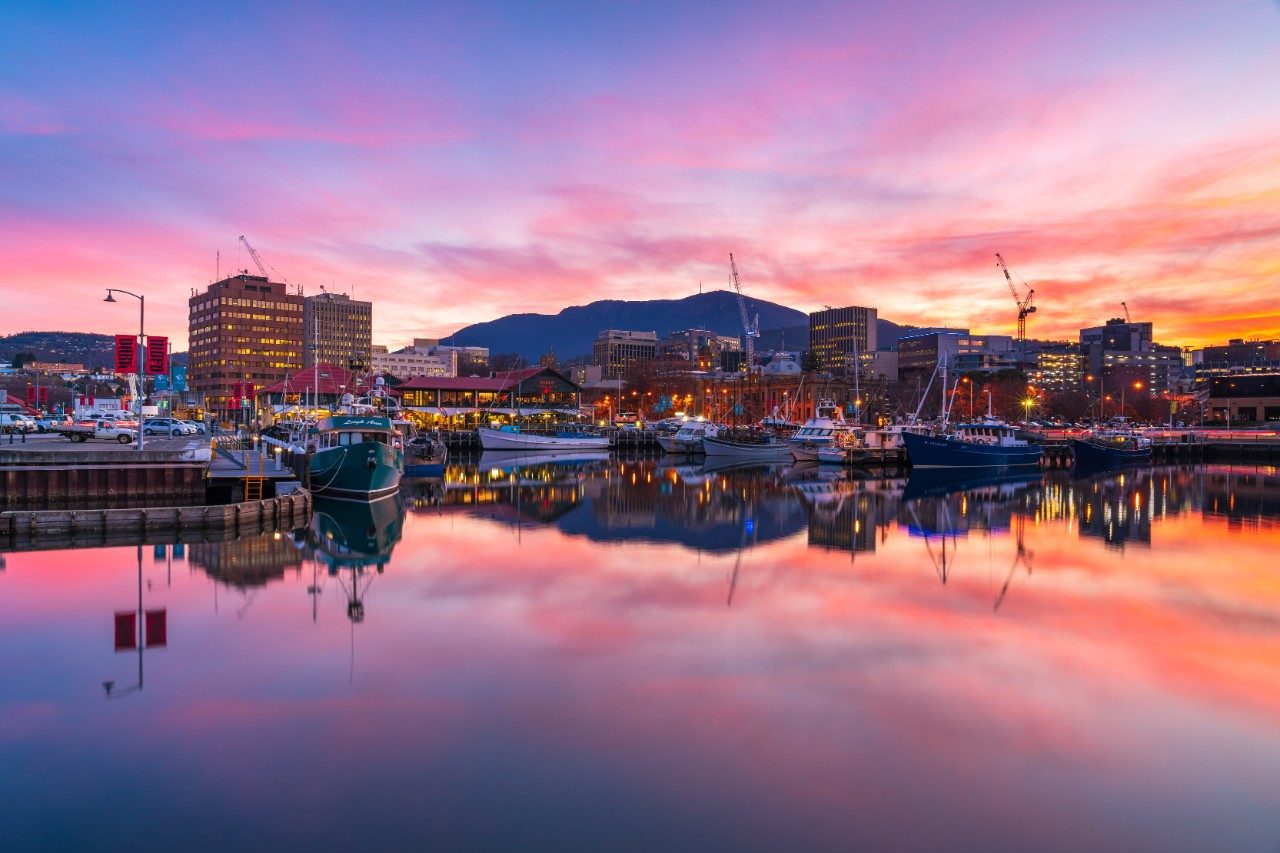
x,y
356,457
990,444
1102,451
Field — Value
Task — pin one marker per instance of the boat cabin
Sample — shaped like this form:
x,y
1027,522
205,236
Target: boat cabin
x,y
344,431
992,433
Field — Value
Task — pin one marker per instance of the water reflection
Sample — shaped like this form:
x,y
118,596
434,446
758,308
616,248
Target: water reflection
x,y
546,659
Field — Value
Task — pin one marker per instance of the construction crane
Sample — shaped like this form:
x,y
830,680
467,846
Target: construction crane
x,y
1024,305
262,267
1125,306
750,329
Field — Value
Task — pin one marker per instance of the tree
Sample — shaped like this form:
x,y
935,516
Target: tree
x,y
504,361
22,359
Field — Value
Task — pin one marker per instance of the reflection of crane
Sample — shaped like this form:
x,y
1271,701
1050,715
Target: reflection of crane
x,y
1024,305
257,260
750,329
1022,556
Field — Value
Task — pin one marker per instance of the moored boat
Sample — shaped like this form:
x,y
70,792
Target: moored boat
x,y
1111,448
744,447
567,437
355,457
990,443
425,456
688,439
825,427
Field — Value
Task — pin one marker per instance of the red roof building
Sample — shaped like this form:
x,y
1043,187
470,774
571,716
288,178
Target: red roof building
x,y
530,392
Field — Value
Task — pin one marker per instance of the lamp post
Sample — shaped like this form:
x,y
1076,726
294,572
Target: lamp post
x,y
142,305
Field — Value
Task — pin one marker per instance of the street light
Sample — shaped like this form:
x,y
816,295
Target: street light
x,y
142,305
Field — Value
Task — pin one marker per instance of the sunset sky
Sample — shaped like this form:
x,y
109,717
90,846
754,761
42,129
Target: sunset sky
x,y
458,162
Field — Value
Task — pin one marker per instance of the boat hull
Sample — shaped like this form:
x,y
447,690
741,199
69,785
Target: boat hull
x,y
493,439
1094,453
722,448
927,451
364,471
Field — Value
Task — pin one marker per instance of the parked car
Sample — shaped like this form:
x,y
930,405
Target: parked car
x,y
53,424
107,430
166,426
198,426
15,422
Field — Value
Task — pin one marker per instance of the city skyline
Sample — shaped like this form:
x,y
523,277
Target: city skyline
x,y
459,163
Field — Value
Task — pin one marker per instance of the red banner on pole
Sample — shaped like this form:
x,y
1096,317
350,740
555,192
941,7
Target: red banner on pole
x,y
157,354
126,630
126,354
157,629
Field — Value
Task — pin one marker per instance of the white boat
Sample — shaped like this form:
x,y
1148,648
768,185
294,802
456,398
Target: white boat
x,y
766,448
820,431
688,439
567,437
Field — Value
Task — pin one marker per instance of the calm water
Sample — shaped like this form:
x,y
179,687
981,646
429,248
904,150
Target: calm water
x,y
640,655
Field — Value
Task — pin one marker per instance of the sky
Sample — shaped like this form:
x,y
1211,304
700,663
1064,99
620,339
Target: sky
x,y
459,162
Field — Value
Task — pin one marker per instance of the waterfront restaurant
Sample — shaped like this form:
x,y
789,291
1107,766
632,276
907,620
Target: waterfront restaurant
x,y
461,402
313,392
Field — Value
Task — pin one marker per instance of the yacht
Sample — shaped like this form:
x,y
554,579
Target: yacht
x,y
820,431
688,439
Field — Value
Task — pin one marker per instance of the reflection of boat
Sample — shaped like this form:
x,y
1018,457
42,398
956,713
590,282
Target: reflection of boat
x,y
567,437
345,534
765,448
725,463
508,461
986,444
356,457
1111,448
936,482
688,439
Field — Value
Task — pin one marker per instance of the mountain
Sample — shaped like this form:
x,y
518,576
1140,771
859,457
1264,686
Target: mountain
x,y
85,348
77,347
570,333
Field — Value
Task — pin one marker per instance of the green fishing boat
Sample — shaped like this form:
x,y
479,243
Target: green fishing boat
x,y
356,457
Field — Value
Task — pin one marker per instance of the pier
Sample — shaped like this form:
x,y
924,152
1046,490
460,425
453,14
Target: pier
x,y
93,528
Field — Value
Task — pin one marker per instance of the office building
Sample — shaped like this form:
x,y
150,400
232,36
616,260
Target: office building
x,y
409,362
1121,346
919,354
1235,357
616,351
702,348
337,329
241,330
836,334
1056,367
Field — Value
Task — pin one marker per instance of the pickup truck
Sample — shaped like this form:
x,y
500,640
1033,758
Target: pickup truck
x,y
103,429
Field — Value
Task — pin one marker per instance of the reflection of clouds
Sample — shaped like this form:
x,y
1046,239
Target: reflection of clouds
x,y
1111,702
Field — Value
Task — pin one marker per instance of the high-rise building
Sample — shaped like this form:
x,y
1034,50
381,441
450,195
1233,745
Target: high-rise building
x,y
702,348
963,352
243,329
1122,347
836,334
615,351
1056,367
337,329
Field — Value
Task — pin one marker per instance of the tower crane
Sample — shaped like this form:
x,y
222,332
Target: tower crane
x,y
1125,306
262,267
1024,305
750,328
